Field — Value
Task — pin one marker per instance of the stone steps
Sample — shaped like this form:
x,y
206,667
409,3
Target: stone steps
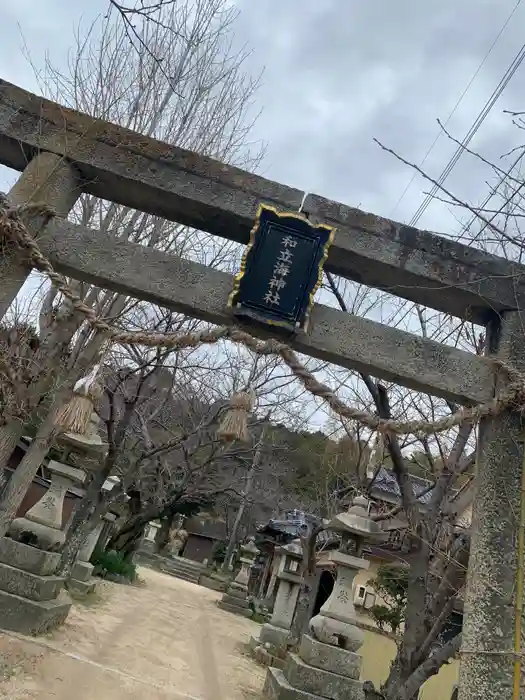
x,y
184,569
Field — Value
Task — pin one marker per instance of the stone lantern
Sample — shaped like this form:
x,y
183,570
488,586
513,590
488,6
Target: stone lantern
x,y
273,634
148,543
327,665
236,597
41,526
32,599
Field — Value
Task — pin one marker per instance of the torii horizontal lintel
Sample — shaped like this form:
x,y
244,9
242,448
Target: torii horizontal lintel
x,y
140,172
202,292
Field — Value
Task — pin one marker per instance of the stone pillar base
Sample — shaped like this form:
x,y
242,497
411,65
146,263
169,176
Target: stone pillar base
x,y
234,608
32,599
80,581
270,636
269,648
318,671
235,600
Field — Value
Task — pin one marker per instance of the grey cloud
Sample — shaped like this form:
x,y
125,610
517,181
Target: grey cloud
x,y
340,73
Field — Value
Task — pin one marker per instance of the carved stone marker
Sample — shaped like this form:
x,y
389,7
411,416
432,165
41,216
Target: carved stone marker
x,y
42,524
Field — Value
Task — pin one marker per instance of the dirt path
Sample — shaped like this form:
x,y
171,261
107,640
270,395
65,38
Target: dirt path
x,y
164,641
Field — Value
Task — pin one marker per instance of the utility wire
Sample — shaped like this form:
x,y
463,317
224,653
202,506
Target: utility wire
x,y
510,72
465,91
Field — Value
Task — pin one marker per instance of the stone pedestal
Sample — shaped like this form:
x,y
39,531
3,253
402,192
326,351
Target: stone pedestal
x,y
236,597
317,671
32,599
80,580
107,530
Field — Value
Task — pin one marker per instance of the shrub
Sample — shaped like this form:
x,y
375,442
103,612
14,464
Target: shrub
x,y
113,565
219,552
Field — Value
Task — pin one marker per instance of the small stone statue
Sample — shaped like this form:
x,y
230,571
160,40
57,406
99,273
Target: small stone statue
x,y
176,541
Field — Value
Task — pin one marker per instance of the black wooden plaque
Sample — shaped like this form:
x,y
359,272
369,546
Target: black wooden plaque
x,y
281,269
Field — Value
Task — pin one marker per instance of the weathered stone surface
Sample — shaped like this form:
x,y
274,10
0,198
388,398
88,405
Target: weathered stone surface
x,y
276,687
54,181
329,658
265,656
198,191
212,583
81,587
276,636
235,600
246,612
489,611
29,585
192,288
320,682
31,616
22,556
47,538
239,593
82,571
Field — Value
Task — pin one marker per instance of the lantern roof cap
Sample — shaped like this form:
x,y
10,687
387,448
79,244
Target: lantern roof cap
x,y
250,547
356,520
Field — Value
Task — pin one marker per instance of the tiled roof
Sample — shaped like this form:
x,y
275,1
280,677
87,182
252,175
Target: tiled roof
x,y
387,482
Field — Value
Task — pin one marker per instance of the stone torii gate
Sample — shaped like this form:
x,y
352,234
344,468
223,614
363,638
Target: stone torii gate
x,y
63,153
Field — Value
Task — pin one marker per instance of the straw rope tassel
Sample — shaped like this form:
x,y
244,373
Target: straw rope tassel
x,y
74,416
234,424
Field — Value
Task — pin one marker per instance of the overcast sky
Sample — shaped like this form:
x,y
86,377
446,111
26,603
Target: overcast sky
x,y
337,74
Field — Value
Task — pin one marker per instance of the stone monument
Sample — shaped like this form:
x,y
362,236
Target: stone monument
x,y
236,597
80,580
32,598
327,665
274,634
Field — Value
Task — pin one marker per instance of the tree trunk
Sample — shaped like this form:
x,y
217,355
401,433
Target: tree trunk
x,y
302,609
127,539
242,506
162,536
73,545
21,479
10,434
85,518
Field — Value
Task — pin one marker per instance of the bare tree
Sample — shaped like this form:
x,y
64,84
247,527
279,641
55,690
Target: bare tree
x,y
203,102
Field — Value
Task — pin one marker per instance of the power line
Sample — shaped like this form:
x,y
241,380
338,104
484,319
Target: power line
x,y
510,72
465,91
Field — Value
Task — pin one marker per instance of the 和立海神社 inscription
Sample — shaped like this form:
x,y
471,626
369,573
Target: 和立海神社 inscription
x,y
281,269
